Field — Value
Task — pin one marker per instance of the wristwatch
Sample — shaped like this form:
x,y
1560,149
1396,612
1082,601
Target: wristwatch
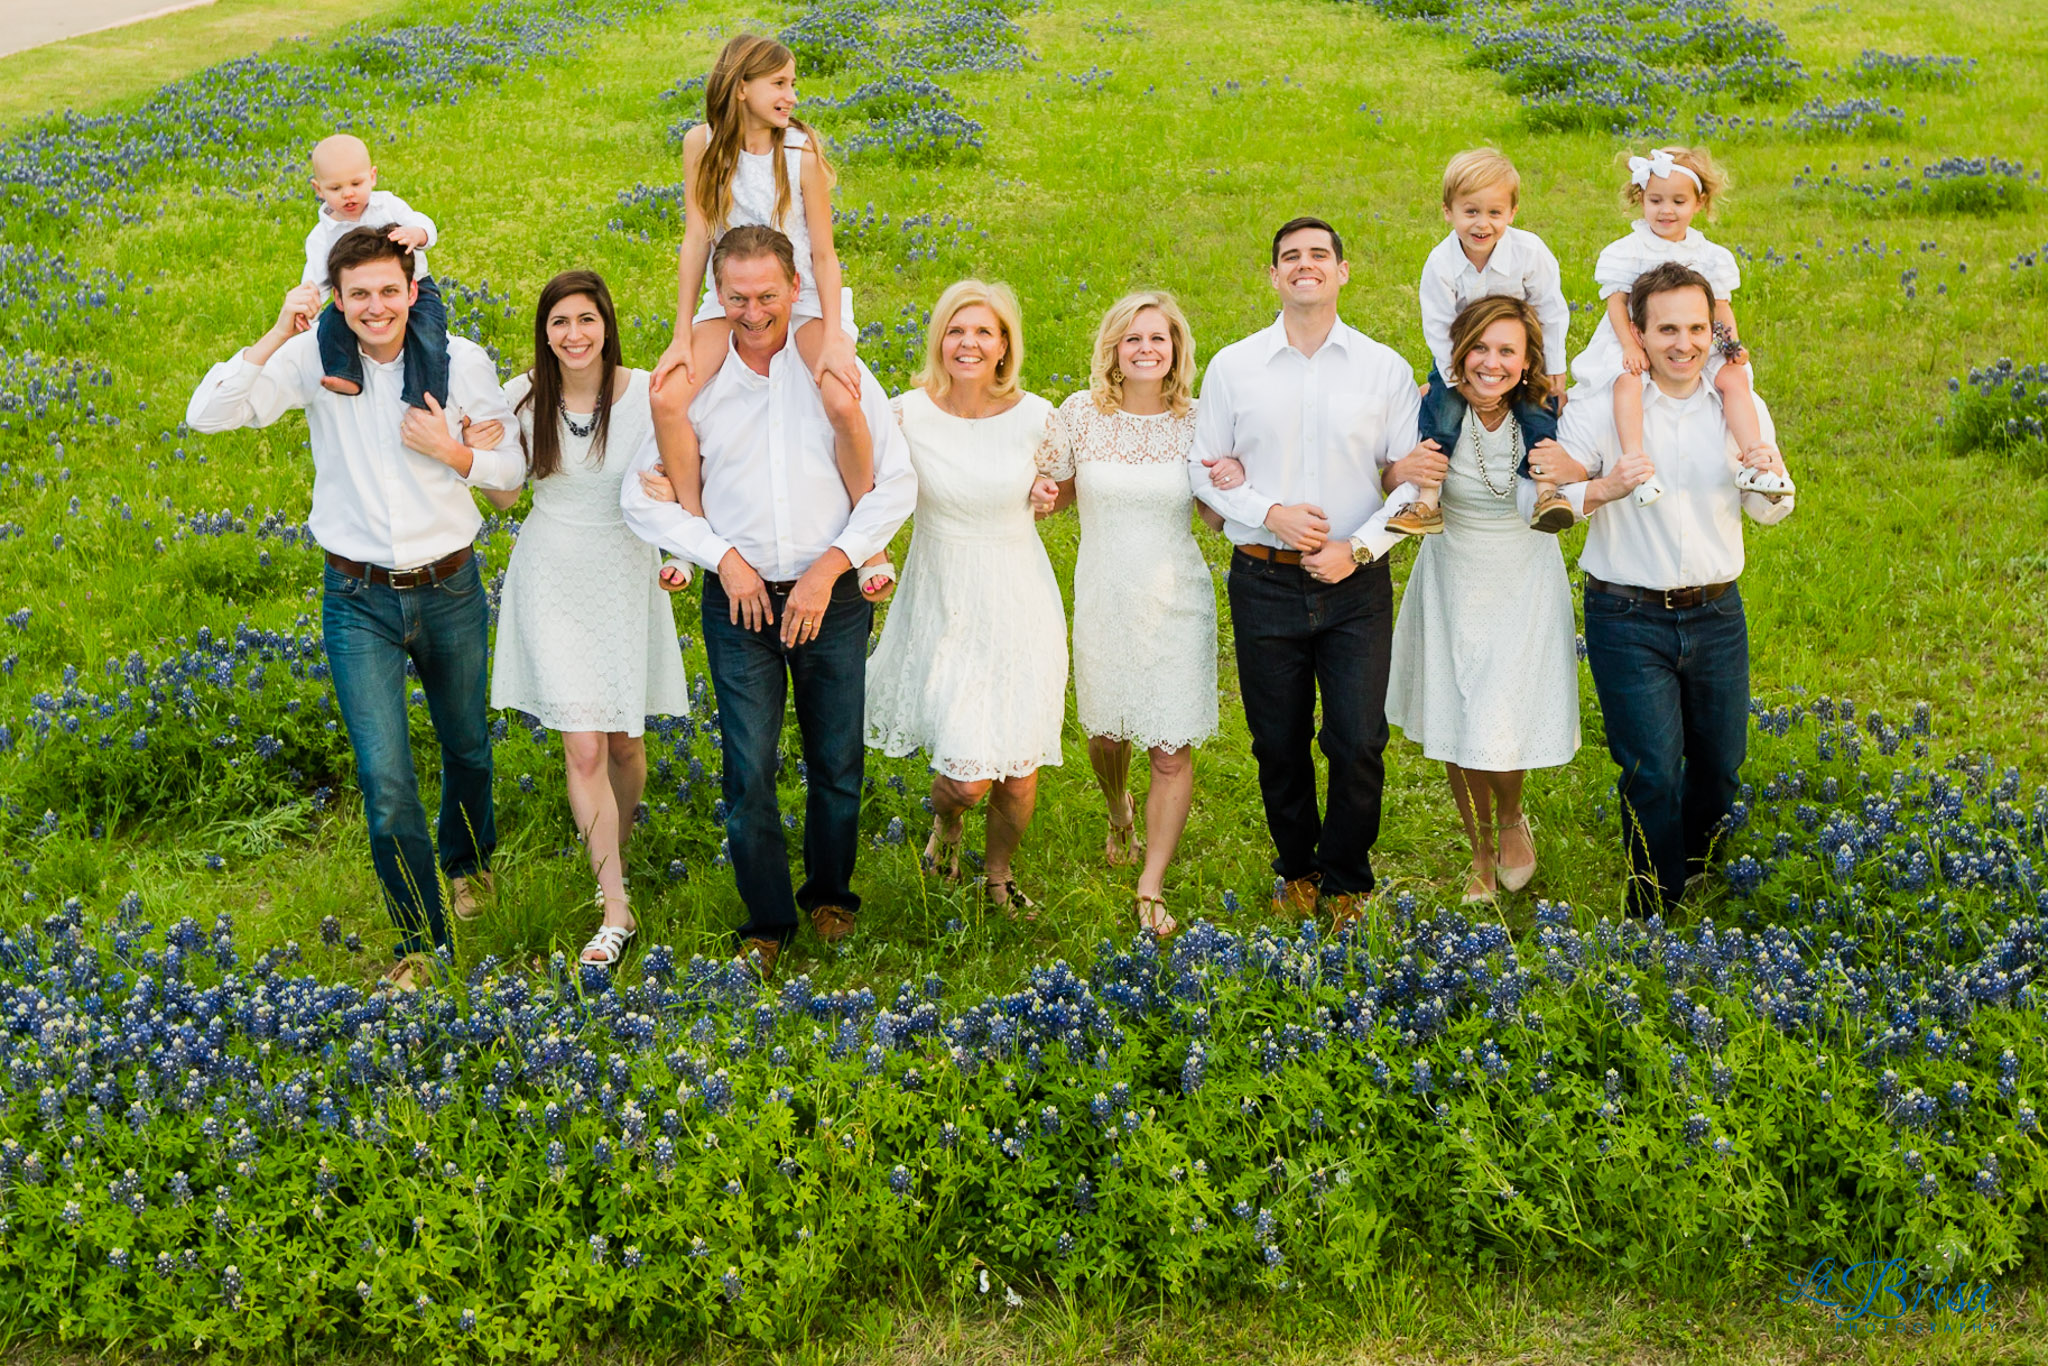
x,y
1361,553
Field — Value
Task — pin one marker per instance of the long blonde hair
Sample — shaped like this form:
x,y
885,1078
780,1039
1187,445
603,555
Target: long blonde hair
x,y
1000,300
1106,381
748,57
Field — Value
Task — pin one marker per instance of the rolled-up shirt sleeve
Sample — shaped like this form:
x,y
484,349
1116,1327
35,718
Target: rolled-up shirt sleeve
x,y
883,509
475,393
240,393
1215,439
666,526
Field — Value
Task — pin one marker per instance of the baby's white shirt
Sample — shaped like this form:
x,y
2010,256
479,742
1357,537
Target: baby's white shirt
x,y
385,210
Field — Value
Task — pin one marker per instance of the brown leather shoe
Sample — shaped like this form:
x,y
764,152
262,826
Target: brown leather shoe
x,y
760,954
1346,908
1297,898
1553,514
463,892
1417,520
833,923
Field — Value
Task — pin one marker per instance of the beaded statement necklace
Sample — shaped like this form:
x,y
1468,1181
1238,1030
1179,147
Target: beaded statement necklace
x,y
582,432
1507,439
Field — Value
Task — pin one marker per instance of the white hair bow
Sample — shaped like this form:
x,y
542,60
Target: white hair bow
x,y
1659,163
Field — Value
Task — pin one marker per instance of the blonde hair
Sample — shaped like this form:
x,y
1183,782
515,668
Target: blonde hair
x,y
1471,324
1000,300
1106,381
749,57
1475,170
1713,180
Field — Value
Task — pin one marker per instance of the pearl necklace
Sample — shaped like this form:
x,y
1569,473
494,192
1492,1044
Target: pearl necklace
x,y
1509,429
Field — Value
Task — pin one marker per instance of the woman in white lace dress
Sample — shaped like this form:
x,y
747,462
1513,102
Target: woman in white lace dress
x,y
1144,603
586,640
972,663
1485,672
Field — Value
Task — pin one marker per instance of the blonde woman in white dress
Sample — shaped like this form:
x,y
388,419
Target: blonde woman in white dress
x,y
971,667
586,639
1485,676
1144,603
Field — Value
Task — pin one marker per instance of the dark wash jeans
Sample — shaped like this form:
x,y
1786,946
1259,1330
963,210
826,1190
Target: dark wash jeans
x,y
426,347
1443,416
1674,696
752,673
1294,637
371,632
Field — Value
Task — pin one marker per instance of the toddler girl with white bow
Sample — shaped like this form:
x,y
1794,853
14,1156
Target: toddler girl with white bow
x,y
1672,186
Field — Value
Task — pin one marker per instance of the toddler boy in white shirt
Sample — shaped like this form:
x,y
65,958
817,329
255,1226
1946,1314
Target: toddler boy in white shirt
x,y
346,181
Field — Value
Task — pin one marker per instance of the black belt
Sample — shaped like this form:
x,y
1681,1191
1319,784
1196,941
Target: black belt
x,y
445,567
1671,599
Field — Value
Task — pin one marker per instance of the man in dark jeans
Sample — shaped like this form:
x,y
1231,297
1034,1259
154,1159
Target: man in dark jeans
x,y
1665,632
393,511
1322,420
782,605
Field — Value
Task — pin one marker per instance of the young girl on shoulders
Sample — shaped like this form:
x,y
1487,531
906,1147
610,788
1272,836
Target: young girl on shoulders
x,y
753,162
1672,186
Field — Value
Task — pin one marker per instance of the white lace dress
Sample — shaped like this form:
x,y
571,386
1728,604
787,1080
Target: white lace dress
x,y
586,637
1485,669
972,663
1144,604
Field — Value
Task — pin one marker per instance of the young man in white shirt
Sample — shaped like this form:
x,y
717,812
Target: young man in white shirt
x,y
1323,420
393,511
1665,632
782,605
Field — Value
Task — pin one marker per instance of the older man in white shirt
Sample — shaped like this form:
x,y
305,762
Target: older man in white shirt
x,y
1323,421
392,509
782,605
1665,631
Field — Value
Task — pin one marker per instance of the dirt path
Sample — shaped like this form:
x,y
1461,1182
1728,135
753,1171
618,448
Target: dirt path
x,y
31,23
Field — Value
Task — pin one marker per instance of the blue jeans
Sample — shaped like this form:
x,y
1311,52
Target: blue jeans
x,y
751,674
1674,695
371,633
1443,414
426,347
1296,636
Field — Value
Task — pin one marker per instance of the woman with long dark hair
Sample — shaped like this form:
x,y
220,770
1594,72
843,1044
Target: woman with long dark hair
x,y
586,640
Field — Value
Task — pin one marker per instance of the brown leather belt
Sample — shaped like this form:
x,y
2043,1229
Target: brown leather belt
x,y
1668,598
445,567
1269,554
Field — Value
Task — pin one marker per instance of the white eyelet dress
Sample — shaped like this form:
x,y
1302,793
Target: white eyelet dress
x,y
971,666
1144,602
1485,669
753,203
586,637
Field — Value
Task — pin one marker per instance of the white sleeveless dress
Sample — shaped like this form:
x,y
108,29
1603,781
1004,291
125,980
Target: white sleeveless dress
x,y
1144,602
971,666
586,637
1621,263
753,204
1485,669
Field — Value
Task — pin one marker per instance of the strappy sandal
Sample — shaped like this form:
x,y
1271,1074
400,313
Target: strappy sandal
x,y
409,973
1152,915
1123,847
1009,898
1515,879
610,943
939,849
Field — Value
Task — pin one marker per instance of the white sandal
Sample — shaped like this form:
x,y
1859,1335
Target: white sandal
x,y
609,942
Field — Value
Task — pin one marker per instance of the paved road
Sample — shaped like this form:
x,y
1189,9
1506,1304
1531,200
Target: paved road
x,y
31,23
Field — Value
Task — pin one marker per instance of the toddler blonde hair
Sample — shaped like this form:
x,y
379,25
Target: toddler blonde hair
x,y
1477,169
1106,381
1713,180
1000,300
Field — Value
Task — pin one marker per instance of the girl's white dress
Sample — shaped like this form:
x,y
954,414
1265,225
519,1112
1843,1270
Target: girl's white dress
x,y
753,204
1485,666
586,637
1621,263
972,663
1144,604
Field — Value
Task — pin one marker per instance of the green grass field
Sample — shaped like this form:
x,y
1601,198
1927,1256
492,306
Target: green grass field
x,y
1908,574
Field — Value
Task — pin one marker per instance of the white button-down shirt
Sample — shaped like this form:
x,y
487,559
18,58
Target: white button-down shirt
x,y
1308,429
383,211
1519,265
1690,537
772,489
375,500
